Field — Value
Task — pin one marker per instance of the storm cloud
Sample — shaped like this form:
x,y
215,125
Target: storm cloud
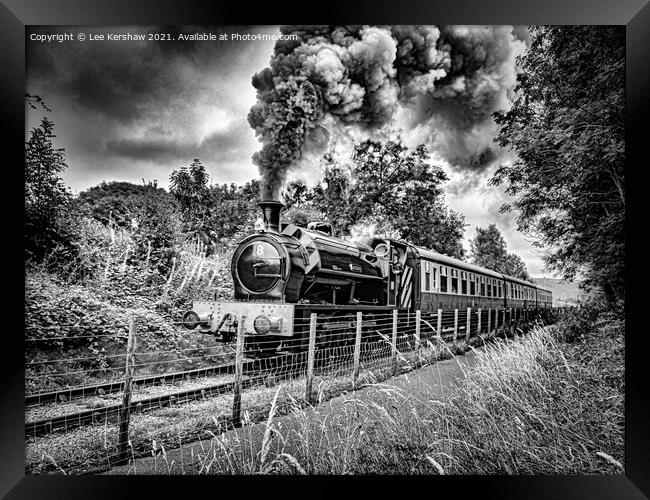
x,y
132,110
154,102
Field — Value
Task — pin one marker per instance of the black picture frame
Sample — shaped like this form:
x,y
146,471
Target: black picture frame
x,y
634,14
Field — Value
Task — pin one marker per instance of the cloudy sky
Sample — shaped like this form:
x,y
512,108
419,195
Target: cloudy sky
x,y
132,110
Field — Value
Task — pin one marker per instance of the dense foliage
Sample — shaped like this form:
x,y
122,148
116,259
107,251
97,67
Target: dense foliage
x,y
488,249
387,189
567,127
211,213
46,196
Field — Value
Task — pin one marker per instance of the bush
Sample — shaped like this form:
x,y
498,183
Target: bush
x,y
579,321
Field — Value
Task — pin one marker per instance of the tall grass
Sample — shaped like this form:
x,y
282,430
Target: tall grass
x,y
522,408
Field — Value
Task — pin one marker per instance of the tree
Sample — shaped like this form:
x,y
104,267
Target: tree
x,y
118,202
214,213
156,229
295,192
190,189
230,210
566,126
395,189
488,249
515,267
332,195
46,195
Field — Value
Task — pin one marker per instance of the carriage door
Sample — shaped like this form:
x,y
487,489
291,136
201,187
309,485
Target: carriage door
x,y
394,276
402,271
398,269
410,283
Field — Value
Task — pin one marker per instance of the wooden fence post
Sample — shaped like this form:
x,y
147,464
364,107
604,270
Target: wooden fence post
x,y
468,329
239,364
510,324
489,320
394,346
357,348
418,323
478,326
439,325
497,321
125,410
455,324
310,356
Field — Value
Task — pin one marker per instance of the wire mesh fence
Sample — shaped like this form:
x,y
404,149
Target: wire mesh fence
x,y
136,411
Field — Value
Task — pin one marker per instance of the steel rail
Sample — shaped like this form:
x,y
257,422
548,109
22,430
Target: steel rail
x,y
140,382
100,415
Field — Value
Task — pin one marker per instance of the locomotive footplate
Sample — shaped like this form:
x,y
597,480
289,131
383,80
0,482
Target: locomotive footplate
x,y
260,318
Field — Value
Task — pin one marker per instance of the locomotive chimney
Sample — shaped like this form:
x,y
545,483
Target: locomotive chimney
x,y
271,212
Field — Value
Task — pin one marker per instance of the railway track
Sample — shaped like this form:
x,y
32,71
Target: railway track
x,y
67,394
262,366
99,415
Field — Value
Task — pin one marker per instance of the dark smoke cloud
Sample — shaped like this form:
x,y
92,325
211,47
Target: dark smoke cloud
x,y
440,85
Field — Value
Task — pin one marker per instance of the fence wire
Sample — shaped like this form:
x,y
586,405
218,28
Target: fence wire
x,y
180,395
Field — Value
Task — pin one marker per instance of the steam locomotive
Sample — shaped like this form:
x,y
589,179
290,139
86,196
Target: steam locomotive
x,y
282,273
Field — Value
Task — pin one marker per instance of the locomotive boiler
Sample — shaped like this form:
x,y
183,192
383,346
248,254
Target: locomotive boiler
x,y
282,273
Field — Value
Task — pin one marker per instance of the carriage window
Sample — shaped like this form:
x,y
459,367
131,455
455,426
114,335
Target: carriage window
x,y
483,289
463,284
426,276
454,285
500,289
434,285
489,290
443,284
472,288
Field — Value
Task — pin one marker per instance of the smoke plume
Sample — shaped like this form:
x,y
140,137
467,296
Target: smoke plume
x,y
439,85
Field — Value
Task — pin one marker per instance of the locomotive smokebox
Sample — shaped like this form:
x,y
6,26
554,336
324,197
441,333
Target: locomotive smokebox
x,y
271,213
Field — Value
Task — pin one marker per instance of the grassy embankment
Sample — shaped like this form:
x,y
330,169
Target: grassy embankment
x,y
91,448
75,330
538,405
